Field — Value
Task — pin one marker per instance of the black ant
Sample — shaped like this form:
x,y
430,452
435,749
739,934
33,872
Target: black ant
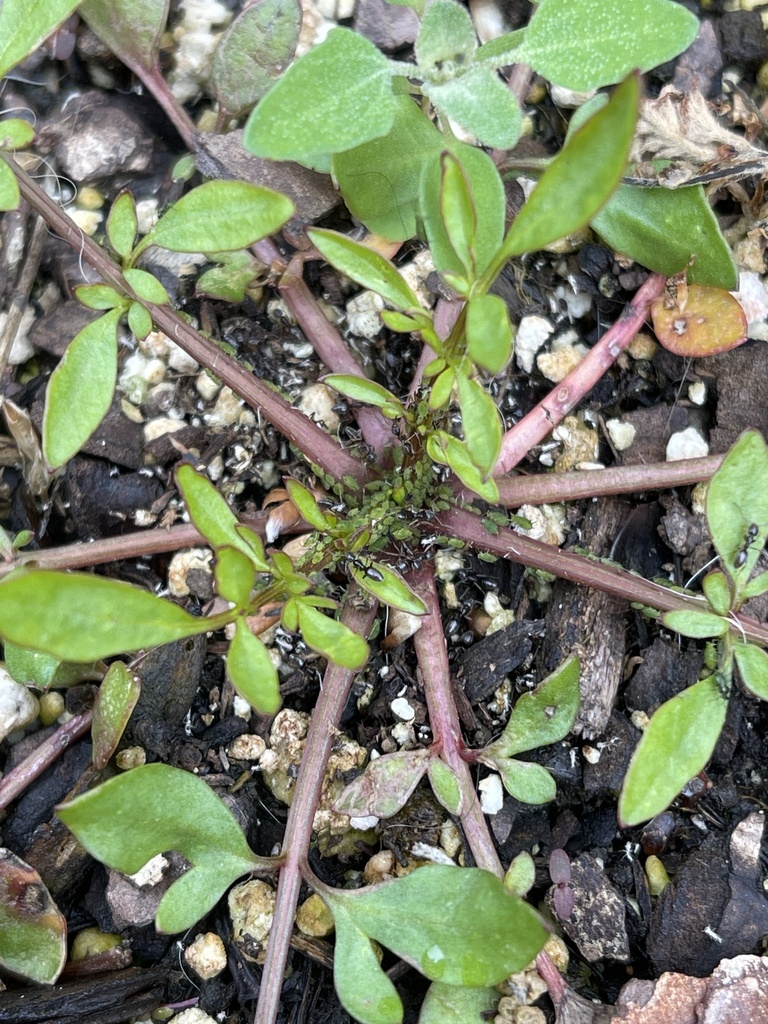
x,y
742,554
365,567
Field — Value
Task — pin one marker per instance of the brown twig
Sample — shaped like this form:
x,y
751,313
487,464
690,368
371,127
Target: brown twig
x,y
536,424
17,780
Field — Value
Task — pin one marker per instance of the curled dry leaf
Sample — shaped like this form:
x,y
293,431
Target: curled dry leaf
x,y
701,322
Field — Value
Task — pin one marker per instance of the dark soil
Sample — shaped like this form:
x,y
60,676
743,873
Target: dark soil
x,y
617,930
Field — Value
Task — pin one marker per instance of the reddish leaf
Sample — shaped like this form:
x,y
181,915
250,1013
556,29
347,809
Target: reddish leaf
x,y
699,321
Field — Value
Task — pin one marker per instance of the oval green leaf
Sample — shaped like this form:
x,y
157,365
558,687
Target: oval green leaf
x,y
150,810
364,990
139,320
365,266
77,617
146,287
717,592
446,41
80,389
10,197
385,786
335,97
100,296
442,447
24,25
253,52
446,1004
499,933
251,671
117,698
526,781
481,423
668,230
234,574
489,332
752,663
219,215
380,179
698,625
487,195
360,389
388,586
331,638
445,785
586,171
481,103
586,44
676,745
122,224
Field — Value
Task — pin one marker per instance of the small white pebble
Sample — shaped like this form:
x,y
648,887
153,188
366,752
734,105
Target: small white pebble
x,y
242,708
206,956
686,444
207,386
246,748
532,333
181,563
363,317
402,709
154,371
317,402
591,754
18,705
159,426
491,794
569,98
181,361
640,720
621,434
697,392
226,411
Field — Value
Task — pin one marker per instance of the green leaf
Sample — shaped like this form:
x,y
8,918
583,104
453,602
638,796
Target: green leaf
x,y
308,508
24,24
675,746
80,390
219,215
481,103
481,423
146,287
213,517
45,671
234,574
349,82
489,332
717,592
446,1004
446,42
251,671
100,296
501,51
237,272
586,44
253,52
388,586
520,876
499,933
526,781
365,266
364,990
359,389
441,447
33,932
665,230
698,625
77,617
385,786
153,809
586,171
756,586
457,212
445,785
380,179
331,638
10,197
442,388
737,508
139,320
543,716
752,663
130,28
122,224
117,698
15,133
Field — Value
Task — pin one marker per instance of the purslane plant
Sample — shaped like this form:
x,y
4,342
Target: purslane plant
x,y
460,203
